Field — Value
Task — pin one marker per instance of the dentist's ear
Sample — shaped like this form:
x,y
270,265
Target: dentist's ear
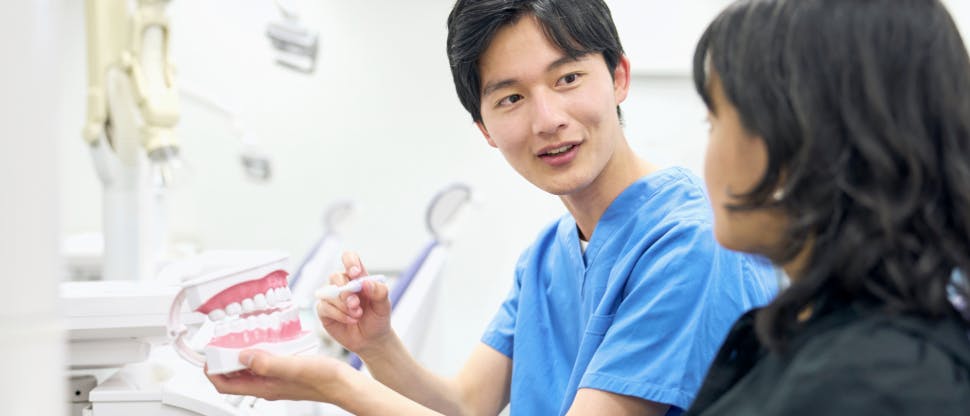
x,y
621,79
488,137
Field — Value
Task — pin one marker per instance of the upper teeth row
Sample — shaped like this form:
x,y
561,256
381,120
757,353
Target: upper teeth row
x,y
258,302
560,150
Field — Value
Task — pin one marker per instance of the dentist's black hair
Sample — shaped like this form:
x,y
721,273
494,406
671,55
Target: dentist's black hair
x,y
577,27
864,109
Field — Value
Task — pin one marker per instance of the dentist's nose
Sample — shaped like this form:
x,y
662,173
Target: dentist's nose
x,y
548,114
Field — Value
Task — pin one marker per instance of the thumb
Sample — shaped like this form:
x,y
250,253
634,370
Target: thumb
x,y
265,364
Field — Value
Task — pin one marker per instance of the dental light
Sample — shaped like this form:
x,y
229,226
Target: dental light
x,y
296,45
256,164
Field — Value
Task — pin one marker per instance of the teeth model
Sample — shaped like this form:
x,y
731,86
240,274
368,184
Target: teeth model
x,y
246,296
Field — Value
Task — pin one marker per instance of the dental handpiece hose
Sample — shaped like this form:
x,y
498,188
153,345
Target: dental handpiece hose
x,y
334,291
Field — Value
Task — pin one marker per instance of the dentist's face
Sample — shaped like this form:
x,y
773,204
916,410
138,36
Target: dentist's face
x,y
552,117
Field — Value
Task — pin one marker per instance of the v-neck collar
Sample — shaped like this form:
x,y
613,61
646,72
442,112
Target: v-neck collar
x,y
617,215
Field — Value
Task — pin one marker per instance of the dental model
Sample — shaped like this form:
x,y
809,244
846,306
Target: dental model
x,y
245,295
356,285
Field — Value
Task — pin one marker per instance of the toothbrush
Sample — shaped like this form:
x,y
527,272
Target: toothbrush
x,y
333,291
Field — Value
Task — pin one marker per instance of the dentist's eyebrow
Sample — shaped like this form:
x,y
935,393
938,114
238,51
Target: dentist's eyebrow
x,y
563,61
497,85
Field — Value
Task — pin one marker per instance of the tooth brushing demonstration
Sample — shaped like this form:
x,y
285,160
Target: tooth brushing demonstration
x,y
245,295
621,321
356,285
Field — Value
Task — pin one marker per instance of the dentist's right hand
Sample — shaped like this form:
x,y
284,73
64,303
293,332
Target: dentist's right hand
x,y
361,322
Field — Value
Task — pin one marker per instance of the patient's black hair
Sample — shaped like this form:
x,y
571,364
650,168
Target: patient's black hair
x,y
864,108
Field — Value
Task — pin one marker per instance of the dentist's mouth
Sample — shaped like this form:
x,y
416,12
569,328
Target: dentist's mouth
x,y
558,151
560,156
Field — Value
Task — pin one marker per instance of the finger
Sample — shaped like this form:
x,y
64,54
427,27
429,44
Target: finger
x,y
352,265
339,279
327,323
339,304
327,310
236,383
376,295
265,364
347,298
219,382
347,306
352,302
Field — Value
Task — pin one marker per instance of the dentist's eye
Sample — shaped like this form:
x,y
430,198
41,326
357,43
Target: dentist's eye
x,y
569,78
512,99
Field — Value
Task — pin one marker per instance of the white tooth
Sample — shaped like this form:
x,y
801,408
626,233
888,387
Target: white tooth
x,y
274,320
271,297
286,293
265,322
293,314
238,325
221,329
260,301
233,309
248,305
217,315
560,150
252,323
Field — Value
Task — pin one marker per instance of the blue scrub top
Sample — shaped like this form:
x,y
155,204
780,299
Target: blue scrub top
x,y
641,313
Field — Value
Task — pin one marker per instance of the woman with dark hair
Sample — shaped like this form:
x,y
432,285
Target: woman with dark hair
x,y
840,149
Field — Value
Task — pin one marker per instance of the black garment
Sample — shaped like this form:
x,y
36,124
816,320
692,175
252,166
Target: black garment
x,y
853,360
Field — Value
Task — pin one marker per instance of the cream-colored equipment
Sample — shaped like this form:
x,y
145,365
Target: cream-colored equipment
x,y
116,325
132,111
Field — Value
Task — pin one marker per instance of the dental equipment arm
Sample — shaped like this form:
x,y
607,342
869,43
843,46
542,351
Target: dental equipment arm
x,y
256,163
134,46
132,110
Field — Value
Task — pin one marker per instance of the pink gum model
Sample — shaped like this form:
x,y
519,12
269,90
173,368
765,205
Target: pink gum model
x,y
250,306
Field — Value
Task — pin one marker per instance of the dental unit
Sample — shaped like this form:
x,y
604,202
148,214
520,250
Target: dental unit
x,y
245,295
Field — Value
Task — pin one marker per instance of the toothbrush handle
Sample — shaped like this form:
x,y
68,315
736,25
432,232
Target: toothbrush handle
x,y
333,291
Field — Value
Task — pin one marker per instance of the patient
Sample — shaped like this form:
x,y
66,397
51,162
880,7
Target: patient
x,y
840,148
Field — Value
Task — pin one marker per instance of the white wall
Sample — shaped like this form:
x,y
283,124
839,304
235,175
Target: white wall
x,y
659,35
378,123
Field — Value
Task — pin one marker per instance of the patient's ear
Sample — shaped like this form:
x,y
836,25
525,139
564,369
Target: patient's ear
x,y
488,137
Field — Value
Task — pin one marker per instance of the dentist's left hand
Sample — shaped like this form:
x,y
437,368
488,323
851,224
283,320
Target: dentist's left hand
x,y
277,377
360,322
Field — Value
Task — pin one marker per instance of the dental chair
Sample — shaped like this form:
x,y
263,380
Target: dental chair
x,y
414,292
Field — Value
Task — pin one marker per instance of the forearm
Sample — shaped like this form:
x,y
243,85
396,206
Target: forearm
x,y
394,366
364,396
